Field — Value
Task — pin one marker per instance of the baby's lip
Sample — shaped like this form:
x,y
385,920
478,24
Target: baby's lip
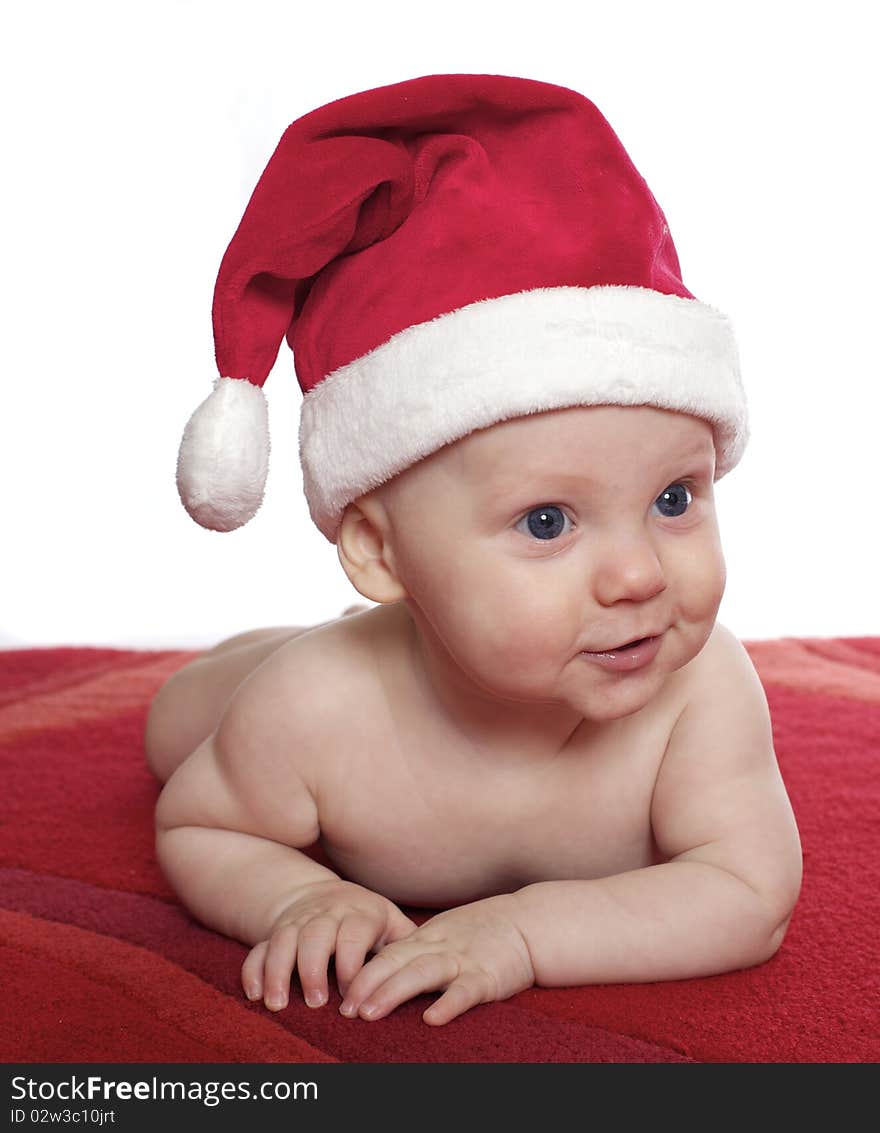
x,y
628,643
626,658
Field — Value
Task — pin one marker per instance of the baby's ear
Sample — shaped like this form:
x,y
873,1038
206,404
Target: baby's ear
x,y
363,544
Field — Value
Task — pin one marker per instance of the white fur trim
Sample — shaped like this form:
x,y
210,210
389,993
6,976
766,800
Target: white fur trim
x,y
549,348
224,455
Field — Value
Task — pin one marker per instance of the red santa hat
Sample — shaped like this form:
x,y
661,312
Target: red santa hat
x,y
441,255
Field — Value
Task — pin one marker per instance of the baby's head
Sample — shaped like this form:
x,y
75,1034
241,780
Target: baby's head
x,y
514,409
526,543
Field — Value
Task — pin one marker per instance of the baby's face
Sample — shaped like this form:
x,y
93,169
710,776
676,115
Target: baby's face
x,y
525,544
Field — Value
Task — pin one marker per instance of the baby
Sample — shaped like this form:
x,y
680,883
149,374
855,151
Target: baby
x,y
540,729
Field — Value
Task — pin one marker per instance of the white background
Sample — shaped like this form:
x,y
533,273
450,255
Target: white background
x,y
133,135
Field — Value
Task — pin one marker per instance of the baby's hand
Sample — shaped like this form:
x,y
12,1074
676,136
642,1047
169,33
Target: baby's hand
x,y
328,916
475,952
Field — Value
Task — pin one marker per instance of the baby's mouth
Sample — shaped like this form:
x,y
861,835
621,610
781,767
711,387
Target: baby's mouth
x,y
629,649
629,657
621,648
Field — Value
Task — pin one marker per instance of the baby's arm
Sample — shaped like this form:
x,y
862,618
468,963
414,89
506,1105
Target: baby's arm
x,y
722,899
229,823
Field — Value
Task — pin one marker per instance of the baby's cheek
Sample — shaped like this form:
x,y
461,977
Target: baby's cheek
x,y
503,629
705,577
523,633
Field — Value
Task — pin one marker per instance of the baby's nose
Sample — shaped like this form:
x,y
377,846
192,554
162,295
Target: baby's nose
x,y
629,568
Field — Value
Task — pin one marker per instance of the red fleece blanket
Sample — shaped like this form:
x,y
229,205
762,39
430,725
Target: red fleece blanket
x,y
99,963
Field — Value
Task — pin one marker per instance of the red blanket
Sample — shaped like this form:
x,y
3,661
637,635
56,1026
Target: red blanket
x,y
100,964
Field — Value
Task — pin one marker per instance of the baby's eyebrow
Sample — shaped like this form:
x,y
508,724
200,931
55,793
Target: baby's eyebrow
x,y
704,447
503,487
523,490
515,483
514,479
702,453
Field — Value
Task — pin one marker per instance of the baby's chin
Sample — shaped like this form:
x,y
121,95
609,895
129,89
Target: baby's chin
x,y
604,696
607,709
597,705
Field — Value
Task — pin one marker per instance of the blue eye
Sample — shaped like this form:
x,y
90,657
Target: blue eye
x,y
546,522
674,501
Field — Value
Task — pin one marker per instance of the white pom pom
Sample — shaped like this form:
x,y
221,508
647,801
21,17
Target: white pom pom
x,y
224,456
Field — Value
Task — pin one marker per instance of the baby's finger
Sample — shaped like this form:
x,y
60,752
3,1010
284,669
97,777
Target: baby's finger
x,y
399,927
315,946
356,936
278,967
425,972
372,975
252,970
462,994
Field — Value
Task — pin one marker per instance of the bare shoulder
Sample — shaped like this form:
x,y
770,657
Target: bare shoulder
x,y
297,703
723,698
259,772
721,675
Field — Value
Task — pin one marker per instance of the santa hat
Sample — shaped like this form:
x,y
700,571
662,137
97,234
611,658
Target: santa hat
x,y
441,255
